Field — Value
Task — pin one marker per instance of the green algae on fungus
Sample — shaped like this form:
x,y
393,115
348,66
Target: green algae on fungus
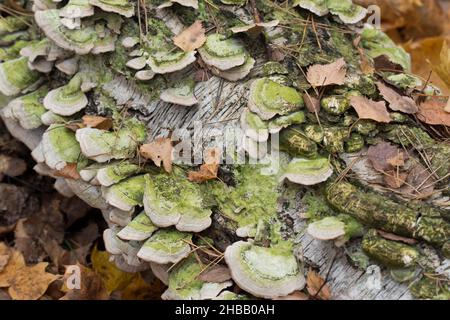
x,y
222,52
378,44
340,228
279,123
138,229
13,23
297,143
254,127
66,100
166,246
79,40
254,196
184,284
126,194
60,147
429,288
381,212
28,109
116,172
389,253
182,93
269,98
172,200
308,171
264,272
335,105
122,7
102,145
166,62
15,76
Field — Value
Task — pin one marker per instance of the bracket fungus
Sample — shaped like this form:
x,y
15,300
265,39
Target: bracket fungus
x,y
66,100
16,76
223,53
175,201
166,62
166,246
28,109
264,272
102,145
126,194
60,147
138,229
269,98
308,171
181,94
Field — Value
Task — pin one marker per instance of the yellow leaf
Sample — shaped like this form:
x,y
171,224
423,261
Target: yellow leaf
x,y
139,289
443,68
113,278
425,55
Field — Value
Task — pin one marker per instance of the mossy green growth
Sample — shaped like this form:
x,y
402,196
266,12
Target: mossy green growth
x,y
354,143
387,252
335,105
297,117
142,223
17,74
218,45
253,197
378,43
168,241
334,139
63,143
12,52
316,206
297,143
130,191
30,109
183,279
428,288
14,23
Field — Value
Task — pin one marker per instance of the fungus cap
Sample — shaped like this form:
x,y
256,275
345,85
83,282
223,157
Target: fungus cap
x,y
263,272
140,228
308,171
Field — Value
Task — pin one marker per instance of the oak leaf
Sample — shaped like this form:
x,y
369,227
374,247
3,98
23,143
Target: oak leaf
x,y
159,151
25,282
216,274
209,169
369,109
396,101
323,75
191,38
317,286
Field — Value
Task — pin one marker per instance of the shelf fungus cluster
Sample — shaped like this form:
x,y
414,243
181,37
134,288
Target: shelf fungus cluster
x,y
332,150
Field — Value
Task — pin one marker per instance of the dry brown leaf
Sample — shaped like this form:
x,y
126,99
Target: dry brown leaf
x,y
209,169
386,157
159,151
383,63
323,75
91,286
396,101
312,103
5,253
97,122
191,38
366,66
69,171
369,109
395,179
216,274
11,166
24,282
314,283
394,237
419,183
433,112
